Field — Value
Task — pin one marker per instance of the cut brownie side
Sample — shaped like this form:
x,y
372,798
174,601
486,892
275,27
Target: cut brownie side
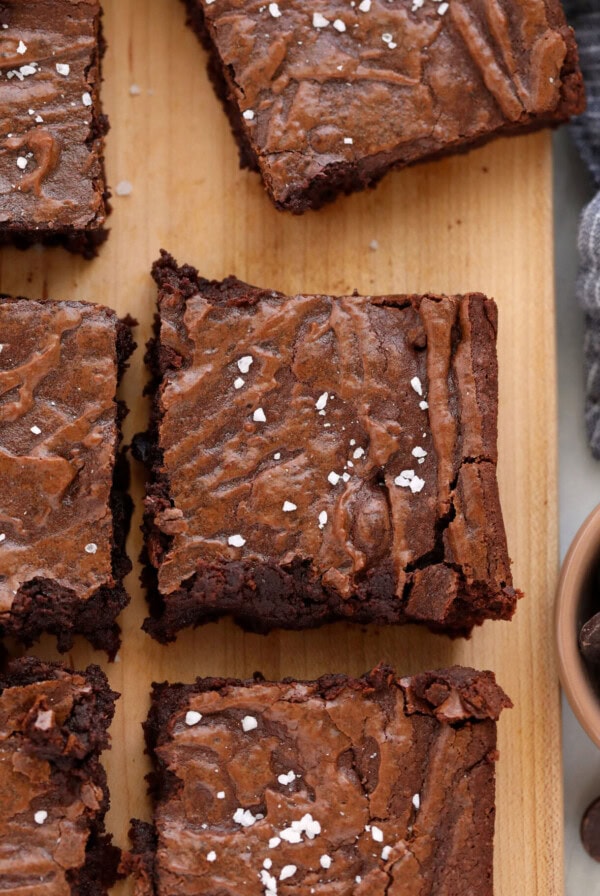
x,y
53,792
326,97
52,181
64,508
317,458
341,785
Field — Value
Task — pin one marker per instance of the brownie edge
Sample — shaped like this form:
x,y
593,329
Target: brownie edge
x,y
352,783
53,727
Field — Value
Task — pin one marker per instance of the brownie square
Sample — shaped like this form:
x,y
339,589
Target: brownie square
x,y
325,97
52,182
64,511
318,458
53,791
365,787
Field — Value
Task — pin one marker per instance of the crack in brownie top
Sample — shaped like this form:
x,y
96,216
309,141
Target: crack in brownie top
x,y
58,436
326,84
356,433
50,169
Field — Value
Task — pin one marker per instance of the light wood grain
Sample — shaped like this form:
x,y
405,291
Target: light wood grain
x,y
481,222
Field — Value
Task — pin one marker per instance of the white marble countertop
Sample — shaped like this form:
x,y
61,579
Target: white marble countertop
x,y
579,489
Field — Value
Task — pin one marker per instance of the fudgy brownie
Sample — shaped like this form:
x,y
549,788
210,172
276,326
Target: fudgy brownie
x,y
53,791
368,786
64,509
317,458
325,97
52,182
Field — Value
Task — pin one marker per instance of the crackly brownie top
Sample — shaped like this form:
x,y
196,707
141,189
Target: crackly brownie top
x,y
341,785
58,434
50,169
344,431
331,82
49,729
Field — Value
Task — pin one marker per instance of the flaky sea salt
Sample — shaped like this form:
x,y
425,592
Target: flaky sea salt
x,y
249,723
319,21
124,188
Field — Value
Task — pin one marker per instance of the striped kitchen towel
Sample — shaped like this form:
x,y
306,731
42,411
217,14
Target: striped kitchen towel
x,y
584,15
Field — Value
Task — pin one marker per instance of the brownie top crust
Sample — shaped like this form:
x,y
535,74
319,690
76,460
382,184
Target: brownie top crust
x,y
341,785
53,723
58,438
51,133
327,84
357,433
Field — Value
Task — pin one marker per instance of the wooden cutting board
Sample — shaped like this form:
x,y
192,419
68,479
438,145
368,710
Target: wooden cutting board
x,y
479,222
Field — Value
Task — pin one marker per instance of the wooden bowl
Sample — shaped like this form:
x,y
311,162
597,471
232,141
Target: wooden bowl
x,y
577,599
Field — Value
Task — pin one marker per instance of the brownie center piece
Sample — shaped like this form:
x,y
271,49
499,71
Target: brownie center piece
x,y
318,438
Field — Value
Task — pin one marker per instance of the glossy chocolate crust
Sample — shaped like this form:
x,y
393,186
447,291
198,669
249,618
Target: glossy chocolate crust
x,y
384,553
64,507
51,118
397,774
331,109
53,792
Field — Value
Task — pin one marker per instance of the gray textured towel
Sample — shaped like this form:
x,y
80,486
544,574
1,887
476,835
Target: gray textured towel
x,y
584,15
588,291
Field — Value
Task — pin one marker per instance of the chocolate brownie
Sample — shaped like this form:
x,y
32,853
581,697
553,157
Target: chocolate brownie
x,y
325,97
332,786
53,791
317,458
52,182
64,509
